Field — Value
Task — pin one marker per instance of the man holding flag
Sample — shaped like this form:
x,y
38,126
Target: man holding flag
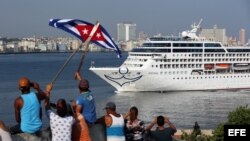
x,y
87,33
85,101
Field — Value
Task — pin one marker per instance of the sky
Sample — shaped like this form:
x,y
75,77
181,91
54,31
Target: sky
x,y
26,18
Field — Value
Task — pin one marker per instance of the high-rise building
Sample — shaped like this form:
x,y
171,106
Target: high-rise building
x,y
126,31
242,36
215,34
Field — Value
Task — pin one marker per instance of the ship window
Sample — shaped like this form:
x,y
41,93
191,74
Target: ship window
x,y
191,45
198,45
150,50
238,50
183,45
156,45
212,45
187,50
214,50
176,45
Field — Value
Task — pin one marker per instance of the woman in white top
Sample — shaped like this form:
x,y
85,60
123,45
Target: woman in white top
x,y
4,133
60,122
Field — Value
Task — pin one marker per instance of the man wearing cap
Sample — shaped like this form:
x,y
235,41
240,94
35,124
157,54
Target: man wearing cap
x,y
114,123
28,108
85,100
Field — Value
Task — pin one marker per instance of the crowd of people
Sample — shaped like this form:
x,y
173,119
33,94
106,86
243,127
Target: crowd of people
x,y
72,122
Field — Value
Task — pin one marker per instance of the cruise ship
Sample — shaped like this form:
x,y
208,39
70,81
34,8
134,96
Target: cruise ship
x,y
180,63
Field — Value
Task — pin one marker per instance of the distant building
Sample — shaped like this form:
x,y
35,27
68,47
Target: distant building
x,y
142,36
74,44
215,34
51,45
232,41
93,48
27,45
242,37
12,47
61,47
42,47
126,31
130,45
1,46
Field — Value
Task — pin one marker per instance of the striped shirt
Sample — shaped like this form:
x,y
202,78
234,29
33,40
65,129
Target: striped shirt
x,y
116,131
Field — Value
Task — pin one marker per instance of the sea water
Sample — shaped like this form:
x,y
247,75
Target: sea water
x,y
208,108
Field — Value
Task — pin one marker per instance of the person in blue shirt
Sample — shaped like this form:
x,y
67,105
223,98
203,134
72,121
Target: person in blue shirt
x,y
27,108
85,100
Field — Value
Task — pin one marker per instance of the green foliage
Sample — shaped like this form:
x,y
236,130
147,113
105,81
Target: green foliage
x,y
240,116
192,137
218,133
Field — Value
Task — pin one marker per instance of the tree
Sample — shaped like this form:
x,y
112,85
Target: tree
x,y
240,116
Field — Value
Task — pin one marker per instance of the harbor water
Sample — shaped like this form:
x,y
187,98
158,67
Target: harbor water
x,y
208,108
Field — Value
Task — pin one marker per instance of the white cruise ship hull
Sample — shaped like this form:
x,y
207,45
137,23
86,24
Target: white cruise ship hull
x,y
181,63
144,80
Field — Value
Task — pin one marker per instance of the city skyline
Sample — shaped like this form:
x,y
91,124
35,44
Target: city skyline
x,y
29,18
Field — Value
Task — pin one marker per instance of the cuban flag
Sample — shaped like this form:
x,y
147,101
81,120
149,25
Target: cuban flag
x,y
82,29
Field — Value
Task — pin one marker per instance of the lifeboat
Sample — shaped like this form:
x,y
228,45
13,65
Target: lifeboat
x,y
222,66
208,66
241,66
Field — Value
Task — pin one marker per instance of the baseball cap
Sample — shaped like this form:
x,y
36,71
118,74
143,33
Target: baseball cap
x,y
110,105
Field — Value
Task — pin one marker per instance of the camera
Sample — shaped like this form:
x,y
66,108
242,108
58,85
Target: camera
x,y
53,105
31,84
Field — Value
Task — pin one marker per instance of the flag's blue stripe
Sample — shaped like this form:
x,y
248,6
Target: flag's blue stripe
x,y
107,34
57,23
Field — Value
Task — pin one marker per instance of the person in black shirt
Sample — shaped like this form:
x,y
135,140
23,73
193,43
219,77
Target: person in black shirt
x,y
161,133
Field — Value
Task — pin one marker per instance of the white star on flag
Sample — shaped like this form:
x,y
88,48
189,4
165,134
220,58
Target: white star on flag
x,y
98,35
85,31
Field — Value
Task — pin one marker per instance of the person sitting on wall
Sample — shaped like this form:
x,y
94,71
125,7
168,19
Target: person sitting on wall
x,y
4,133
27,108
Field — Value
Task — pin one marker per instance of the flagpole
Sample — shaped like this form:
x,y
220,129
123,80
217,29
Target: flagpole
x,y
86,45
64,65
